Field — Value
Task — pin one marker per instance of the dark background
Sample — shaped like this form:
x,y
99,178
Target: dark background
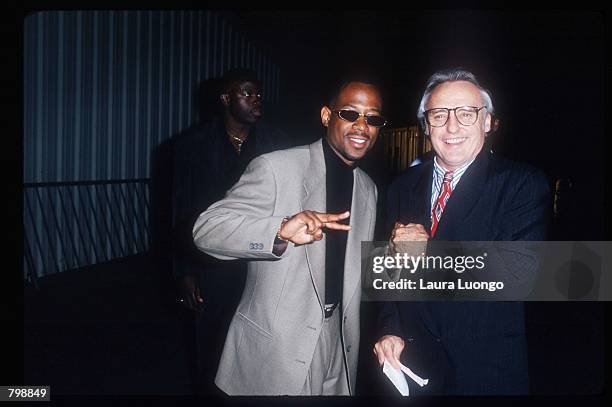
x,y
545,70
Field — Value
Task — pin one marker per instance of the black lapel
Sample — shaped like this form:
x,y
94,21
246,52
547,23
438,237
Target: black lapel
x,y
467,192
422,195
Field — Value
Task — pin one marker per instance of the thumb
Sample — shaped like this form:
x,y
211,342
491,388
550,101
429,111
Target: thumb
x,y
395,363
381,358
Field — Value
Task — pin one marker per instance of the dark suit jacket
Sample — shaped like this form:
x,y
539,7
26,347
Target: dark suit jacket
x,y
469,347
205,166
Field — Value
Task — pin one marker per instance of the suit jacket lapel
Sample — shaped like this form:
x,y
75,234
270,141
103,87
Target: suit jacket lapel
x,y
361,214
314,199
464,197
422,195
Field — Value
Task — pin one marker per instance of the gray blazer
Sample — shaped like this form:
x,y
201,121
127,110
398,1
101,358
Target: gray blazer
x,y
273,334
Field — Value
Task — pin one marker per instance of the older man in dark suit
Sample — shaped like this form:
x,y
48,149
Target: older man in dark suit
x,y
464,193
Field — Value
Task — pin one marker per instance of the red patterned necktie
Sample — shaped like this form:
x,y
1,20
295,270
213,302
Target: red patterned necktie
x,y
438,208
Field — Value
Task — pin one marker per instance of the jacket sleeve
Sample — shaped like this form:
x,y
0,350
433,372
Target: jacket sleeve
x,y
512,258
525,218
184,211
388,322
527,212
244,224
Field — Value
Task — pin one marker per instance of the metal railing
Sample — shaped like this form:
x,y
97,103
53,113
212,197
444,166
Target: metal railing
x,y
75,224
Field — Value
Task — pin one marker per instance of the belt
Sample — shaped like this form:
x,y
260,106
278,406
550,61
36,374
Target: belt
x,y
329,309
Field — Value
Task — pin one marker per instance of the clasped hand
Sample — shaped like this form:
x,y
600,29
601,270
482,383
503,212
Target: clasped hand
x,y
402,237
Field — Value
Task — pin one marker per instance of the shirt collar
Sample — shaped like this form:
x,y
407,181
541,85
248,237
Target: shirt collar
x,y
439,170
332,161
438,174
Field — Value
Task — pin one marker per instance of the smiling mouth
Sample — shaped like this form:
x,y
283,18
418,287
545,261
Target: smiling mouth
x,y
456,140
358,141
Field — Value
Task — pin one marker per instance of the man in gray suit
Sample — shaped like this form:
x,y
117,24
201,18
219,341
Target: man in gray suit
x,y
296,329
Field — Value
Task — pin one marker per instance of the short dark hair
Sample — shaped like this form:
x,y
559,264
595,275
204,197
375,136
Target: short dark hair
x,y
361,77
237,75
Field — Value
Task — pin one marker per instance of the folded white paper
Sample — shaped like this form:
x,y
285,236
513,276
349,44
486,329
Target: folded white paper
x,y
421,382
398,379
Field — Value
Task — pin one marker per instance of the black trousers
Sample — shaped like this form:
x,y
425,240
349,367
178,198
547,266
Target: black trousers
x,y
221,289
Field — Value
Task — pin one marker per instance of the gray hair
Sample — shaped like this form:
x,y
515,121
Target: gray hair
x,y
450,75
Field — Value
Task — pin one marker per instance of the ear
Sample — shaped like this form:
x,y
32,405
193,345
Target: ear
x,y
425,128
225,99
325,115
487,123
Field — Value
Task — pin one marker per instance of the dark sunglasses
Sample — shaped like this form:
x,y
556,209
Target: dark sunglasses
x,y
351,116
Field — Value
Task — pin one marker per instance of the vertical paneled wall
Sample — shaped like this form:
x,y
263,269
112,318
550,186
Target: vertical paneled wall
x,y
101,90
